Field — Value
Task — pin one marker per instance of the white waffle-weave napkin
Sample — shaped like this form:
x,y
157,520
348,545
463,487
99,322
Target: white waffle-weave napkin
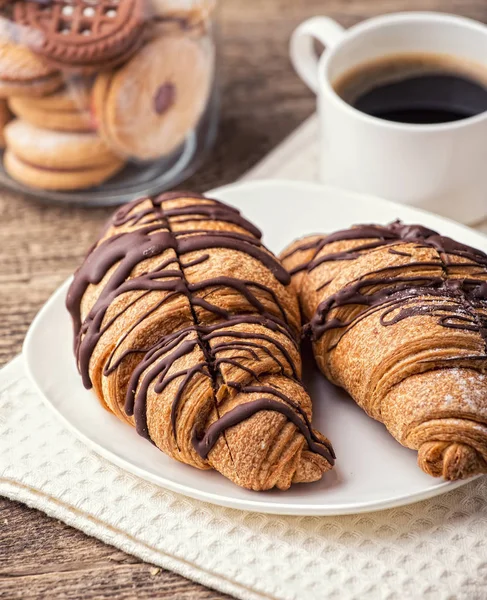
x,y
435,549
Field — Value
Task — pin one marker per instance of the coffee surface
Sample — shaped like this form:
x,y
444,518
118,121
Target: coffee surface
x,y
416,88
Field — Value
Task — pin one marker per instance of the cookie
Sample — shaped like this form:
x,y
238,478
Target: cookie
x,y
5,117
191,18
75,95
148,107
66,110
22,73
57,160
186,11
82,34
106,64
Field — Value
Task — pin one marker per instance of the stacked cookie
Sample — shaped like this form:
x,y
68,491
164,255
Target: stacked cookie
x,y
52,144
103,82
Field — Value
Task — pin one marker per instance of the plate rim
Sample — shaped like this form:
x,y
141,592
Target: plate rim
x,y
273,507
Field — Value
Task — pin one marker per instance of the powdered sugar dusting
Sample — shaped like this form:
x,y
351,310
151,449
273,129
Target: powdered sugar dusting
x,y
466,389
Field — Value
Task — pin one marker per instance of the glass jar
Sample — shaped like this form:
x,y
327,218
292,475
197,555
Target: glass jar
x,y
104,100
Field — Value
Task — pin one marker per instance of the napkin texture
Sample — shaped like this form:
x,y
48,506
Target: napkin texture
x,y
434,549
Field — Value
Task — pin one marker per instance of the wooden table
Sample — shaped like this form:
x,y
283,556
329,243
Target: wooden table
x,y
263,101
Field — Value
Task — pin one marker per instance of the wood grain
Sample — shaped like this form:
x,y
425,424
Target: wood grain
x,y
40,246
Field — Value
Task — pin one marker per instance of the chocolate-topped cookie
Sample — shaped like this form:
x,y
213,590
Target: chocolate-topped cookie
x,y
82,34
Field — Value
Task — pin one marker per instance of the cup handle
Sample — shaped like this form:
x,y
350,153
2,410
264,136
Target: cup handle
x,y
303,57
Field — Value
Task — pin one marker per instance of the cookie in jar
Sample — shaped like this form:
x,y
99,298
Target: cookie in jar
x,y
132,80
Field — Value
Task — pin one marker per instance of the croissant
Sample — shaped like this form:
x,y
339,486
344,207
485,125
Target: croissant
x,y
186,327
398,318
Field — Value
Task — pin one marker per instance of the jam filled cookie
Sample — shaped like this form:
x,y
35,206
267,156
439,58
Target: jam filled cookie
x,y
147,108
57,160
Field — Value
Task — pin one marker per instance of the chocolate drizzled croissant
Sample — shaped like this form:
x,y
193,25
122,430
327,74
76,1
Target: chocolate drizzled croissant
x,y
187,328
398,317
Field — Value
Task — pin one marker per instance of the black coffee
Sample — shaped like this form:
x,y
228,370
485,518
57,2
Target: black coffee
x,y
416,88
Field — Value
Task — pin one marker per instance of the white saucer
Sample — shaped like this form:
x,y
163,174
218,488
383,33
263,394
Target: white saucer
x,y
372,471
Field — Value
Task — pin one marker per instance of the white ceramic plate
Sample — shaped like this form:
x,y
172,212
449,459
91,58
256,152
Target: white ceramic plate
x,y
372,471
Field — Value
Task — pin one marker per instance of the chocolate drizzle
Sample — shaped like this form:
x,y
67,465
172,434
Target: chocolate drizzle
x,y
399,252
456,303
154,211
383,235
204,444
159,231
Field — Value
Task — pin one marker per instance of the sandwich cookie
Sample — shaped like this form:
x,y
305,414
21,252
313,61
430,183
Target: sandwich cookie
x,y
55,160
22,73
147,108
81,35
66,110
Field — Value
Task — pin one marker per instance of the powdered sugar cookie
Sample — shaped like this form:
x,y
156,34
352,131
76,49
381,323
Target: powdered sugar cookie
x,y
75,95
148,107
22,73
67,110
57,160
47,179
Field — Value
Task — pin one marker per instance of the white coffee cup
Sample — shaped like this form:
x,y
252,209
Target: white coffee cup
x,y
438,167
